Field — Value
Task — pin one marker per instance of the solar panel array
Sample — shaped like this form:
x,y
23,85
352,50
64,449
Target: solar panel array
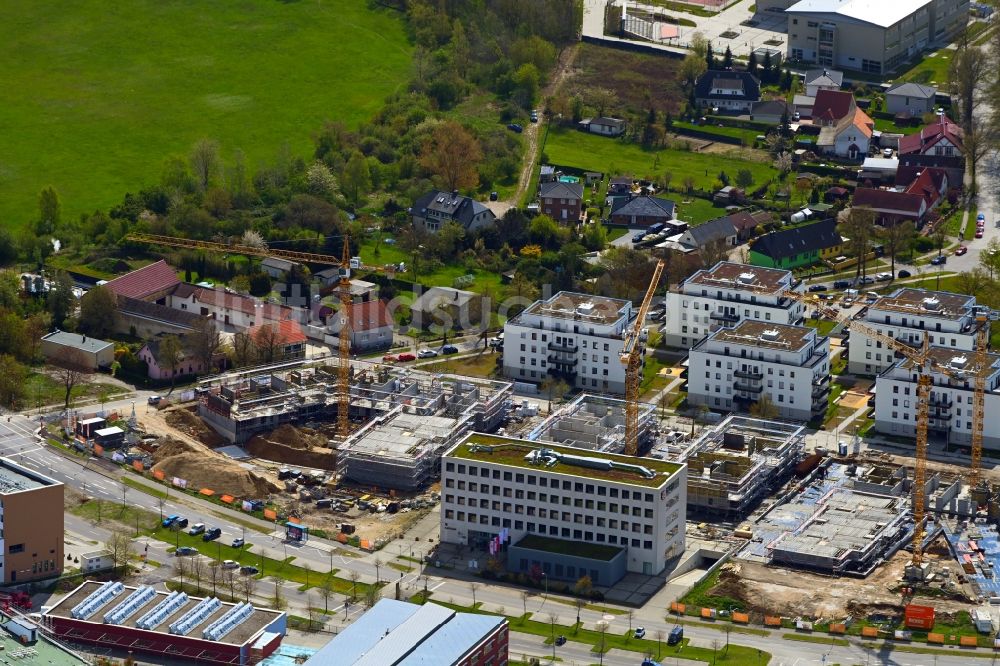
x,y
162,611
195,616
232,618
133,602
96,599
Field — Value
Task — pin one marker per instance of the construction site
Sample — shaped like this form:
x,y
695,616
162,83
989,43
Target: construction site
x,y
596,423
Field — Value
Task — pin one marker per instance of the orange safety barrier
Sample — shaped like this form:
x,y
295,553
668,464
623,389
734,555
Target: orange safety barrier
x,y
707,613
677,608
341,537
228,499
270,514
98,450
838,628
293,519
935,638
207,492
137,464
741,618
366,544
968,641
772,621
158,473
869,632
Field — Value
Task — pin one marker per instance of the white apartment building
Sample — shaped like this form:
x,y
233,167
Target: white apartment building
x,y
726,294
950,404
613,513
570,336
908,315
735,367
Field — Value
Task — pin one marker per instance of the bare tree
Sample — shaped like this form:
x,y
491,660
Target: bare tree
x,y
524,600
205,162
197,571
579,603
119,544
72,367
856,225
372,596
204,342
967,72
181,568
267,343
326,591
660,634
307,569
244,352
311,610
713,252
631,616
247,585
896,238
214,575
472,588
764,408
354,576
229,578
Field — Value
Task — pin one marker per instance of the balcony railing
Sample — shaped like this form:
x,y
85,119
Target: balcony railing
x,y
568,362
724,316
749,374
747,388
569,347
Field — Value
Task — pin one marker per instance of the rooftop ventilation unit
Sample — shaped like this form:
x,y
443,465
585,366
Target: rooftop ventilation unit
x,y
747,278
130,606
931,304
196,616
770,335
235,616
959,362
162,610
585,309
96,599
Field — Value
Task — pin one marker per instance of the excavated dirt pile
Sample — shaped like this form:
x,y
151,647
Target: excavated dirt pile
x,y
293,446
204,469
188,423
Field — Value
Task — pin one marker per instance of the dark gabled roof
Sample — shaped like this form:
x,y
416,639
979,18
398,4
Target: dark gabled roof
x,y
790,242
771,107
134,306
824,77
706,84
560,190
910,89
943,128
457,207
832,105
888,200
743,220
644,207
144,281
712,230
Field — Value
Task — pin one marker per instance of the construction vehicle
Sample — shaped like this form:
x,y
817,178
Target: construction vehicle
x,y
631,357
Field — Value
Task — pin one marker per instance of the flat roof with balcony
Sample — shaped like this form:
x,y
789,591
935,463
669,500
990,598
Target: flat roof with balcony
x,y
580,307
959,362
925,303
600,466
727,275
766,335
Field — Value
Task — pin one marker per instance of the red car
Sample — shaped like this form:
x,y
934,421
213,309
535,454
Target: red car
x,y
389,358
979,233
406,357
960,250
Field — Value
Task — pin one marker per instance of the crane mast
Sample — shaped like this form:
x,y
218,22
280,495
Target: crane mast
x,y
631,358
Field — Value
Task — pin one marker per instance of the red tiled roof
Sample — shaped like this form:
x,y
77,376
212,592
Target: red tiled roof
x,y
144,281
865,124
923,140
223,299
289,332
832,105
887,200
929,185
369,315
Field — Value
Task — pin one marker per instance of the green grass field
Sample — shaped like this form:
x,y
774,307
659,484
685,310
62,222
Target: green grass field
x,y
590,152
97,95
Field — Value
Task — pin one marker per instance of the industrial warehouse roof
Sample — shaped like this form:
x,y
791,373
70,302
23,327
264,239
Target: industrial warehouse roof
x,y
512,452
397,633
76,341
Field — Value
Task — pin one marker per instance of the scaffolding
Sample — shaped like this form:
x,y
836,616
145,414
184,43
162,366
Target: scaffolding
x,y
595,423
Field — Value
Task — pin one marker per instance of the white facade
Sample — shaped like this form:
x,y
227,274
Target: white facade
x,y
480,496
98,560
734,368
909,315
725,295
950,404
570,336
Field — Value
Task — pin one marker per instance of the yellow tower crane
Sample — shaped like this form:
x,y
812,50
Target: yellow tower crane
x,y
344,336
631,358
978,407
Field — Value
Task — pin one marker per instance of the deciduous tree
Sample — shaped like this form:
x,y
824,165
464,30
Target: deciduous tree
x,y
205,163
204,342
171,353
857,225
98,312
71,367
452,154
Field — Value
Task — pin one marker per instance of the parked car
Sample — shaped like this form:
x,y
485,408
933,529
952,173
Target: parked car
x,y
389,358
842,284
561,640
249,571
979,233
676,634
887,152
904,273
212,534
154,399
939,260
405,357
638,237
170,520
960,250
981,218
238,543
230,564
817,287
196,529
181,523
495,342
494,195
185,550
640,632
426,353
514,127
534,116
883,277
449,349
866,279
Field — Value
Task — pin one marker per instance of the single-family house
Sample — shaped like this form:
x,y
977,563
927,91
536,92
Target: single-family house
x,y
720,229
620,185
96,560
230,309
371,327
445,307
746,223
434,209
561,201
277,267
158,368
942,137
64,348
920,197
822,79
803,105
547,174
849,138
832,106
727,90
798,246
772,111
908,97
604,126
279,340
641,211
